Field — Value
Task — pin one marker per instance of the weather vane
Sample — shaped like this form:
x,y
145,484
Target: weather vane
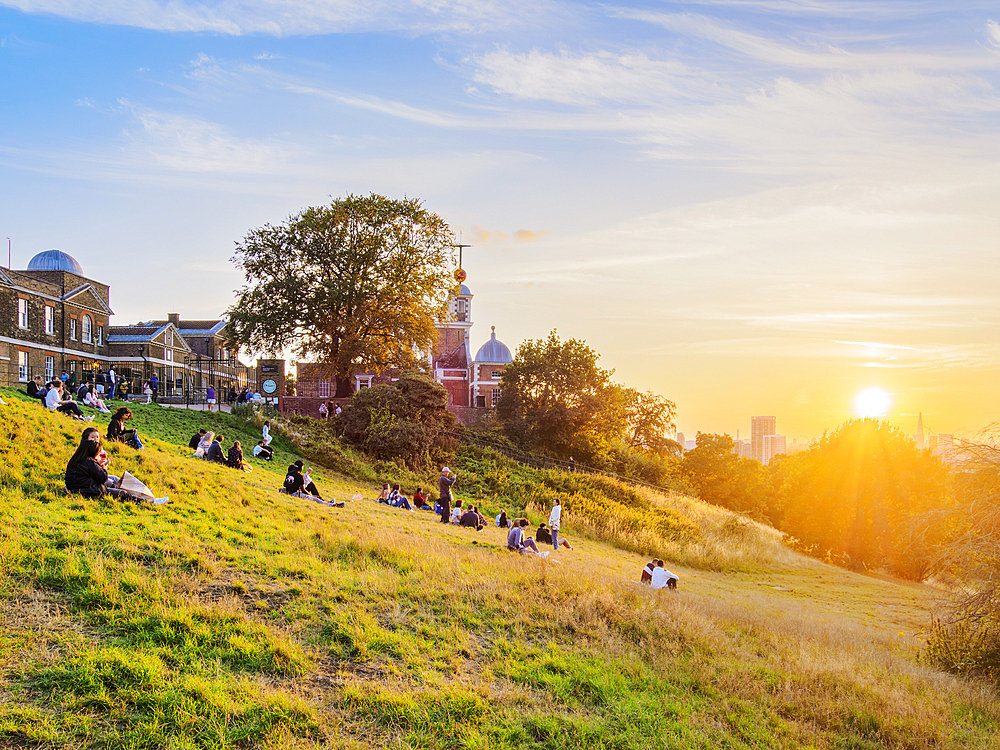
x,y
460,274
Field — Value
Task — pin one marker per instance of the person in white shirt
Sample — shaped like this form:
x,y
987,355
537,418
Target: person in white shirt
x,y
555,517
266,432
662,578
54,400
456,513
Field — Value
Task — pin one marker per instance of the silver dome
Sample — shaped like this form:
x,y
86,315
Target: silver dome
x,y
55,260
493,351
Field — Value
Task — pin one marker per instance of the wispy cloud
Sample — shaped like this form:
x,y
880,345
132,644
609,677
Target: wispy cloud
x,y
296,17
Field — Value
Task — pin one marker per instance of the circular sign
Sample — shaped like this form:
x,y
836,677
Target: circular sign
x,y
269,386
460,275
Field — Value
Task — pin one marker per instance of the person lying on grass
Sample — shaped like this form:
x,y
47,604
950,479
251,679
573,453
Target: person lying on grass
x,y
518,542
86,476
117,431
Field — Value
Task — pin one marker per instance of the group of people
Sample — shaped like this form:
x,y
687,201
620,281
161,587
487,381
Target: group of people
x,y
328,409
87,469
656,576
209,446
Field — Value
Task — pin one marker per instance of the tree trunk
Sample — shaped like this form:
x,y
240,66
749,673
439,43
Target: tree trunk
x,y
344,389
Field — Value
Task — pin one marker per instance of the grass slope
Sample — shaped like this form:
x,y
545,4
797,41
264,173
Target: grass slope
x,y
237,617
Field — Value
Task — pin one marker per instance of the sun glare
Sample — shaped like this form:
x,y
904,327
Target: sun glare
x,y
872,402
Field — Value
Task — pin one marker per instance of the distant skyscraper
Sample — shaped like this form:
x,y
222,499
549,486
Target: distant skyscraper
x,y
920,431
680,440
773,446
759,427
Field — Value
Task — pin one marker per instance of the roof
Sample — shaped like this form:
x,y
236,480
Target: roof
x,y
464,291
142,333
55,260
195,327
494,352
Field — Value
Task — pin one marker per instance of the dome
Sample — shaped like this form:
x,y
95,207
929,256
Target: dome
x,y
55,260
493,351
464,291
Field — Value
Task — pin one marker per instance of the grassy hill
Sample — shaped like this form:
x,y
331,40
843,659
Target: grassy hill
x,y
238,617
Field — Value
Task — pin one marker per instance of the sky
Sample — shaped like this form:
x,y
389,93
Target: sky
x,y
747,206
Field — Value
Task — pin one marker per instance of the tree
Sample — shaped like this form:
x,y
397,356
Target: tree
x,y
649,418
853,495
723,478
407,420
356,285
553,395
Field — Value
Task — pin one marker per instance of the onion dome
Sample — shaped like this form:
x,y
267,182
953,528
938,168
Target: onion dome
x,y
55,260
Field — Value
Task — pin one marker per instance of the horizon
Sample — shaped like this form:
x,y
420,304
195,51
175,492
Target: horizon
x,y
747,207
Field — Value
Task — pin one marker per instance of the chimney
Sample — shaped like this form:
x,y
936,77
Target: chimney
x,y
174,318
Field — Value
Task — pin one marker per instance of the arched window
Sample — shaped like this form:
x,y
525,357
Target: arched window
x,y
88,327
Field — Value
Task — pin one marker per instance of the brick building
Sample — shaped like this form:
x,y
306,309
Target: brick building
x,y
52,318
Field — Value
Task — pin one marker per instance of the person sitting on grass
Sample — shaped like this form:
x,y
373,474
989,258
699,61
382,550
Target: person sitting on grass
x,y
36,389
92,433
647,572
195,439
307,481
262,452
470,520
502,521
543,535
117,431
398,500
234,458
383,496
420,500
90,399
85,475
518,542
215,452
482,518
662,578
54,400
204,444
456,513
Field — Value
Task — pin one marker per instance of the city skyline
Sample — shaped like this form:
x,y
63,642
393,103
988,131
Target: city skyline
x,y
749,208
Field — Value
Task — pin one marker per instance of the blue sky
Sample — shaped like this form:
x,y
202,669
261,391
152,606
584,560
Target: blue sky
x,y
749,207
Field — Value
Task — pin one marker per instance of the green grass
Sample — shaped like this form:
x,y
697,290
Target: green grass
x,y
237,617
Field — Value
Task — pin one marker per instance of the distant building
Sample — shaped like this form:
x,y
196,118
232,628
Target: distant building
x,y
773,446
487,369
680,441
759,428
451,357
743,448
918,438
52,318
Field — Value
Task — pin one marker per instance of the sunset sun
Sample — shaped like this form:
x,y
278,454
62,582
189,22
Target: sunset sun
x,y
872,402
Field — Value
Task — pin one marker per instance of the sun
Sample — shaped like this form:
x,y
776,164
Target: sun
x,y
872,402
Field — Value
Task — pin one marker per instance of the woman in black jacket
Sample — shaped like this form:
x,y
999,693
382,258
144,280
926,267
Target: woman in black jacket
x,y
86,476
117,431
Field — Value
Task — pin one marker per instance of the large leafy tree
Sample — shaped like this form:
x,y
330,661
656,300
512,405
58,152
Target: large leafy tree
x,y
723,478
554,396
357,284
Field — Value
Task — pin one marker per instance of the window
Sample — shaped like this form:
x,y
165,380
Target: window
x,y
364,383
496,396
323,389
22,313
50,368
72,329
50,319
22,366
170,338
100,335
169,355
87,326
495,375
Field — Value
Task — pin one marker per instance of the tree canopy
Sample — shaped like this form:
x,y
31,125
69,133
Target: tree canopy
x,y
357,285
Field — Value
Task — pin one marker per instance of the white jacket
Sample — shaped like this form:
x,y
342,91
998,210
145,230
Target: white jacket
x,y
554,517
